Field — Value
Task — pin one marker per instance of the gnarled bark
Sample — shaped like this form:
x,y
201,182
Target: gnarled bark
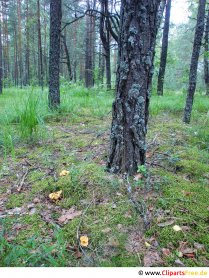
x,y
134,77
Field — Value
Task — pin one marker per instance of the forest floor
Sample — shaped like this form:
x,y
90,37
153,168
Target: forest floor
x,y
164,221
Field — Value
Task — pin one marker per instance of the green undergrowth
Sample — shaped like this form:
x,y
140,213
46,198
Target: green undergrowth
x,y
76,139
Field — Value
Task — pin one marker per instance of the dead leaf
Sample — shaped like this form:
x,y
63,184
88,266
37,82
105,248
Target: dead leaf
x,y
138,177
106,231
199,246
36,200
147,244
113,242
78,254
189,255
64,173
179,263
135,243
177,228
165,224
149,154
55,195
84,241
186,251
152,258
69,215
187,193
166,252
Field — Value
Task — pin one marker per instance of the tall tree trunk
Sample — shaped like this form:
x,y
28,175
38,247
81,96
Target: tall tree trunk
x,y
40,59
164,50
105,38
45,46
206,56
27,54
101,64
90,49
68,62
134,77
54,55
1,63
194,61
16,71
5,45
20,42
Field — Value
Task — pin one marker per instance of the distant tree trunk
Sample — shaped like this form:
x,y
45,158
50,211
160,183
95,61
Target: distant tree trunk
x,y
40,56
5,44
206,56
16,72
68,62
194,61
101,65
105,38
1,63
134,77
164,50
54,55
89,51
45,46
20,42
27,54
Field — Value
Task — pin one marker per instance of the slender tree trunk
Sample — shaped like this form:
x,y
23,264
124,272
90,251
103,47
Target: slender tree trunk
x,y
20,42
40,59
5,44
134,77
1,63
105,38
194,61
45,46
101,64
89,51
54,55
164,50
68,62
75,53
16,71
27,58
206,56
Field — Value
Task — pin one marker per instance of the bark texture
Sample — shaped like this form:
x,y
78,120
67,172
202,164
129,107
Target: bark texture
x,y
134,77
54,55
164,50
105,38
90,48
194,61
40,56
206,56
1,63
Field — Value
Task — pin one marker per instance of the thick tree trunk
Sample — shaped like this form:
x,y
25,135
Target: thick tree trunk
x,y
1,64
206,56
134,77
40,52
164,50
194,61
54,55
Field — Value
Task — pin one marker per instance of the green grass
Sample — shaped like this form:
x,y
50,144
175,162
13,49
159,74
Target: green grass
x,y
76,139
